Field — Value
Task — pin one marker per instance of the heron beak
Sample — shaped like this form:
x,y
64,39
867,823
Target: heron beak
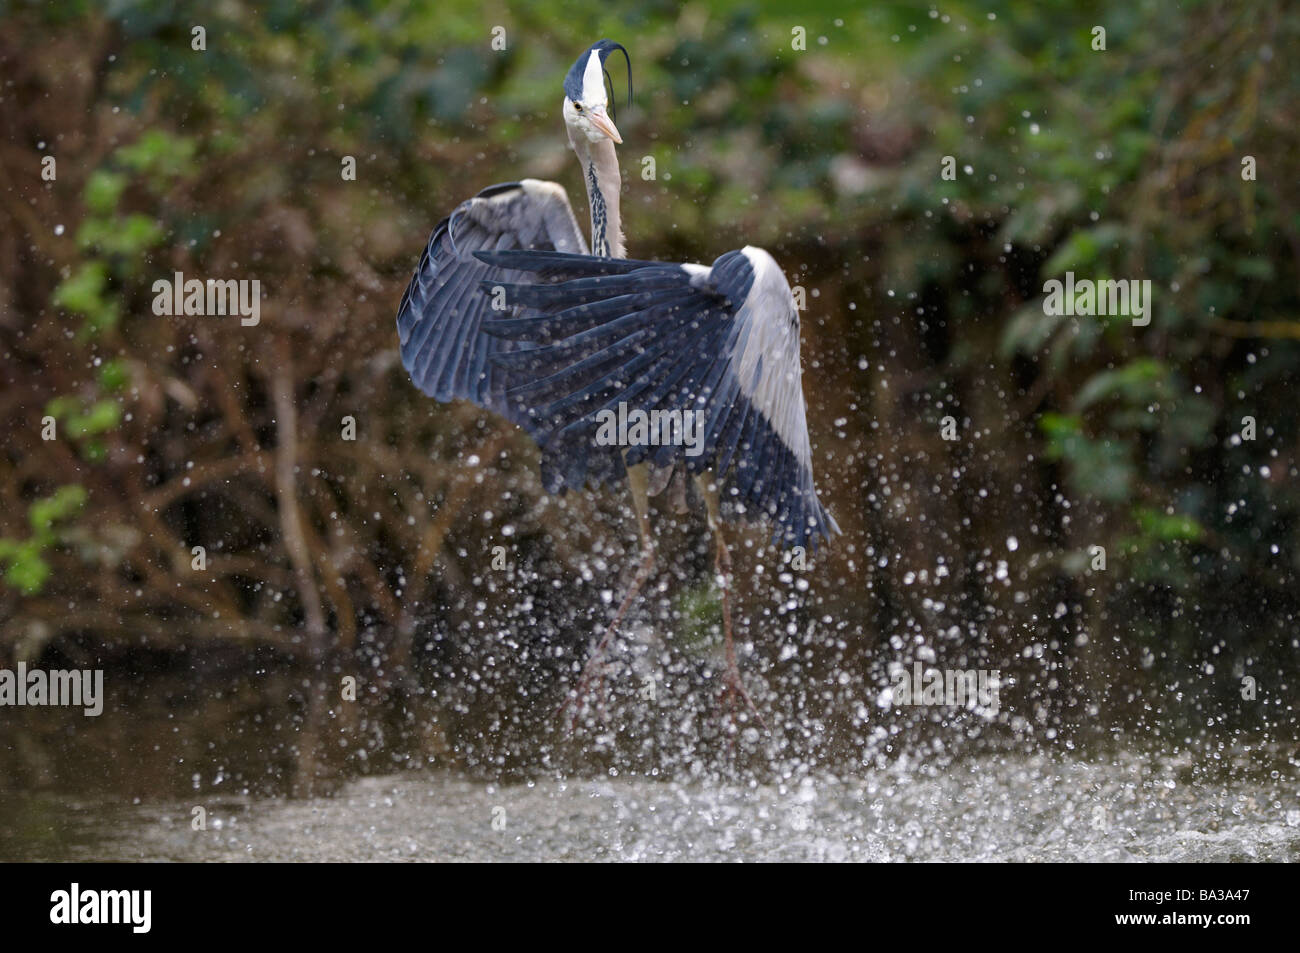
x,y
600,119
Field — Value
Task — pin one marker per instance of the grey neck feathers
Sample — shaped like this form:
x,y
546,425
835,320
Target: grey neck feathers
x,y
600,173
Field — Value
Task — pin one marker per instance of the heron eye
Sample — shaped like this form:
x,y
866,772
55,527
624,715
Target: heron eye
x,y
578,106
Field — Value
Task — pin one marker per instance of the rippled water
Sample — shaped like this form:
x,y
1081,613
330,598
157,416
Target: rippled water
x,y
1127,808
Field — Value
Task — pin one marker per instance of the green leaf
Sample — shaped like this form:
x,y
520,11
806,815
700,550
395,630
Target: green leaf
x,y
43,513
1168,528
27,571
699,618
114,376
1083,248
60,407
1137,382
102,416
103,190
129,236
159,153
83,290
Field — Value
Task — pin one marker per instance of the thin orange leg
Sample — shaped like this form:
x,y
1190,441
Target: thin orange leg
x,y
732,685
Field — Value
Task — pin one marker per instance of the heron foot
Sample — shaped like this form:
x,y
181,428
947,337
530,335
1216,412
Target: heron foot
x,y
594,670
592,677
733,689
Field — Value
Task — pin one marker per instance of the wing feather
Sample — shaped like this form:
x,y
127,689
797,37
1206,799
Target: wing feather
x,y
440,319
721,341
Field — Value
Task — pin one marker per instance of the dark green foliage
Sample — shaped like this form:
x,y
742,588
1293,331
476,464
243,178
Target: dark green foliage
x,y
925,301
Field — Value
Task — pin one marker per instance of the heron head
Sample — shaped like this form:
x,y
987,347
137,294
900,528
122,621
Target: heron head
x,y
587,105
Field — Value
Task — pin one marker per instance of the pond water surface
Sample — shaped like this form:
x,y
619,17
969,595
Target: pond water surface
x,y
1128,807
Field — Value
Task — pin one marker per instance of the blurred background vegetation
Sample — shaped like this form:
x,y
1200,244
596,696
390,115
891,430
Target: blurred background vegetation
x,y
373,557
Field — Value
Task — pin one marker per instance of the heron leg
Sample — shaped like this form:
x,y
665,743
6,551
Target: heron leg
x,y
732,685
593,673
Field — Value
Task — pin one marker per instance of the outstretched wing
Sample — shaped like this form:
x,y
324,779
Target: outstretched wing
x,y
439,323
610,337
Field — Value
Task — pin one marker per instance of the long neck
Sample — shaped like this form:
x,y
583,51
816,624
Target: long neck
x,y
600,172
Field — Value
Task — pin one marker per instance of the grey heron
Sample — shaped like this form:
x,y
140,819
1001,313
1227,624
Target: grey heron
x,y
509,309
